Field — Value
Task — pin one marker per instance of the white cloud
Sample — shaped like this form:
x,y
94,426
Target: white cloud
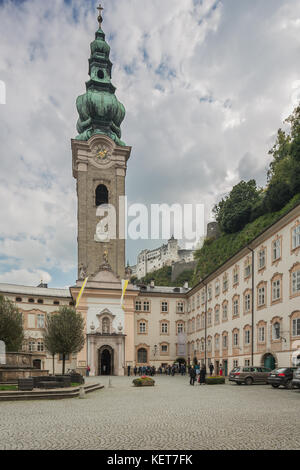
x,y
205,85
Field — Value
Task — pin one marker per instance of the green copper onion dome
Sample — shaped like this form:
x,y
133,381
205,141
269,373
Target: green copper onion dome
x,y
100,112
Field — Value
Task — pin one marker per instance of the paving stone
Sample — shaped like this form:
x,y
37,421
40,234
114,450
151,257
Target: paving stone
x,y
171,415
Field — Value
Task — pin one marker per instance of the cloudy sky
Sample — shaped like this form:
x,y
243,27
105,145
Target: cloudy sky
x,y
206,84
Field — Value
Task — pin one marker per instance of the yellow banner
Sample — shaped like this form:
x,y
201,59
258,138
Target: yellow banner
x,y
124,287
81,292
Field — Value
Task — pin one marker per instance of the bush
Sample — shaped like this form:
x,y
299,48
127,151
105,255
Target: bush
x,y
143,382
215,380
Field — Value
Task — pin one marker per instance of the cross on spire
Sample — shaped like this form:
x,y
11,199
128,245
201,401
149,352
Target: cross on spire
x,y
100,18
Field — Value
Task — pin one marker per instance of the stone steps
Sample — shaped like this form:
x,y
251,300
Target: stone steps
x,y
54,394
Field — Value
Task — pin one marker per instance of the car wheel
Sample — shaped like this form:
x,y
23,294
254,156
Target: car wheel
x,y
275,386
289,385
249,381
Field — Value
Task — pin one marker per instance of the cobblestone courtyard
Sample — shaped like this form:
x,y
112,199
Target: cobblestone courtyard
x,y
172,415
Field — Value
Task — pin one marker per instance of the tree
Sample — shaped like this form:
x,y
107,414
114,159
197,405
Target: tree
x,y
64,333
277,196
11,325
234,212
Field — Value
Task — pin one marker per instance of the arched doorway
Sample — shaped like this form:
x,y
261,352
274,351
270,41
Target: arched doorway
x,y
106,360
269,361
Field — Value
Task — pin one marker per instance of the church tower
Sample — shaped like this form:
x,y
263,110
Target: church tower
x,y
99,165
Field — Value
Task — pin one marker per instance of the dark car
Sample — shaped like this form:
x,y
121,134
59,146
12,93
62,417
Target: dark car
x,y
296,378
282,376
249,375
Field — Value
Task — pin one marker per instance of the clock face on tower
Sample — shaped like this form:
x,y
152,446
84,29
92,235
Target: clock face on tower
x,y
101,153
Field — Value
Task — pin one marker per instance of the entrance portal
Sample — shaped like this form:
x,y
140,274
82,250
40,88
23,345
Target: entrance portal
x,y
106,361
269,361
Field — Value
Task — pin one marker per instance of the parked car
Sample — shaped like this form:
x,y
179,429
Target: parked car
x,y
249,375
296,378
282,376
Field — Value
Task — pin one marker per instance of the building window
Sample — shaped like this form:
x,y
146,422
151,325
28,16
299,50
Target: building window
x,y
67,357
31,346
164,328
142,327
217,343
198,323
296,237
217,288
235,276
164,348
209,293
40,320
40,301
180,328
202,346
209,345
193,303
296,327
235,307
142,356
40,346
138,306
261,296
225,311
146,306
31,301
296,281
180,307
261,334
203,296
18,299
217,315
202,321
276,249
56,302
247,337
276,290
225,342
247,302
261,259
209,317
235,363
247,362
276,331
198,300
247,270
225,283
235,339
105,325
164,307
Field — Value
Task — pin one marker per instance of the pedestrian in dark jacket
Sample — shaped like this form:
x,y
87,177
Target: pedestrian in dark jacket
x,y
211,368
192,376
202,374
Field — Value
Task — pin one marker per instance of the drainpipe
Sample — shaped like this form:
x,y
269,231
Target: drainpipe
x,y
252,310
205,327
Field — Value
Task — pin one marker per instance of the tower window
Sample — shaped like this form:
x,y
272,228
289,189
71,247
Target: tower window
x,y
101,195
100,74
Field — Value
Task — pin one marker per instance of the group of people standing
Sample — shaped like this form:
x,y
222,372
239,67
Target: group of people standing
x,y
197,374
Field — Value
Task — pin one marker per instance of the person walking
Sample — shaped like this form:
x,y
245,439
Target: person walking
x,y
128,371
135,370
221,371
192,376
211,368
88,370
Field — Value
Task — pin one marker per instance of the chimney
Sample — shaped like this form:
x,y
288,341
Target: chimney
x,y
152,283
186,285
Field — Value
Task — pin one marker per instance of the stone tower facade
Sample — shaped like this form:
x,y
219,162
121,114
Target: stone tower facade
x,y
99,166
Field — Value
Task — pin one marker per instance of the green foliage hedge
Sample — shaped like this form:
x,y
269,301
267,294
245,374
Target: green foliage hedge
x,y
215,252
162,277
143,382
215,380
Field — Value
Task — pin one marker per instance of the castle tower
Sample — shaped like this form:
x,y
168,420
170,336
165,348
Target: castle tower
x,y
99,164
